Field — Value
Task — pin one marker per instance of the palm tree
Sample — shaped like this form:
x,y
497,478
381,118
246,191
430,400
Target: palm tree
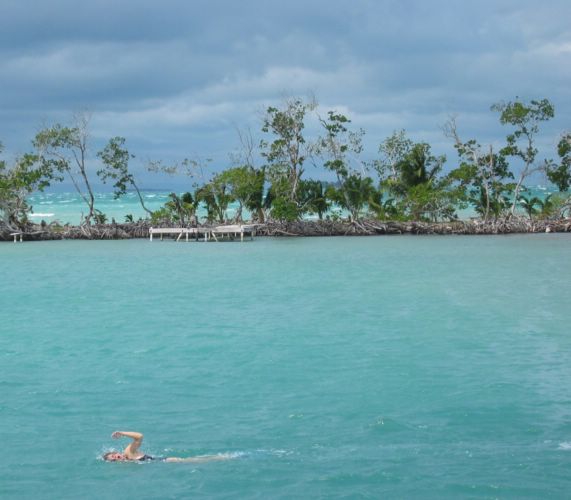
x,y
529,205
418,167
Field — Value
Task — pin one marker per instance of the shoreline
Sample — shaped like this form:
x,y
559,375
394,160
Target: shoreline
x,y
365,227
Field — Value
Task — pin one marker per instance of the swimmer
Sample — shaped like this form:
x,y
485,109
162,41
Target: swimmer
x,y
132,454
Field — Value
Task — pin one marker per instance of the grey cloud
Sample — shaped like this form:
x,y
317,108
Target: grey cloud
x,y
176,77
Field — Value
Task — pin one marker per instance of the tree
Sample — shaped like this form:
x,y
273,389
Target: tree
x,y
356,194
525,118
529,204
246,186
286,154
216,197
482,173
560,175
178,209
381,208
419,192
313,197
205,191
417,167
393,150
280,206
409,176
340,148
26,176
555,205
194,168
65,149
115,158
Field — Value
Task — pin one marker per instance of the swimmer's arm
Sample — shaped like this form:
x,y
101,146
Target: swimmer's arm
x,y
132,435
137,438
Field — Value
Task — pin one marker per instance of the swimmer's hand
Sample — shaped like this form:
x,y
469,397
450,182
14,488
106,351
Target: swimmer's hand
x,y
137,436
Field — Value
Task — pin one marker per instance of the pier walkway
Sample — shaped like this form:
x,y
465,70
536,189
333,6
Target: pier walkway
x,y
217,233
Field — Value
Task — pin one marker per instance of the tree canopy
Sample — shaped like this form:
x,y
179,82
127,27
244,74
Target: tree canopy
x,y
406,181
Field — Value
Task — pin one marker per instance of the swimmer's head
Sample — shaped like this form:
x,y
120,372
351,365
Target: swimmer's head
x,y
113,456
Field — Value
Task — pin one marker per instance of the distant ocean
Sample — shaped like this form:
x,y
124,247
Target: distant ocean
x,y
69,207
382,367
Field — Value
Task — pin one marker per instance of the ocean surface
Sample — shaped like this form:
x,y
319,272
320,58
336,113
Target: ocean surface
x,y
372,367
70,207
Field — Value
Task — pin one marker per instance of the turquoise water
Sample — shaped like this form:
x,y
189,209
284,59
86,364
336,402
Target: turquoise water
x,y
381,367
69,207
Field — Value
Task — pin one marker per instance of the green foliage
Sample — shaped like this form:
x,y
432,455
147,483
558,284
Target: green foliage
x,y
312,198
56,140
284,209
216,197
162,215
411,184
495,202
428,202
100,217
355,196
180,209
246,186
115,158
27,175
560,175
416,191
481,179
524,116
393,151
550,206
278,203
520,143
417,167
341,148
529,204
383,209
555,206
286,153
64,150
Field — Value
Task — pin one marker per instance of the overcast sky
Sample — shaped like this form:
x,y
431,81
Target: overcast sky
x,y
177,77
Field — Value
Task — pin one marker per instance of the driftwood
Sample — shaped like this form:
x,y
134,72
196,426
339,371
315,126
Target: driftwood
x,y
140,229
373,227
36,232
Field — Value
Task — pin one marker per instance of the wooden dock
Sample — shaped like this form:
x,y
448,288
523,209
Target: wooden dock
x,y
234,231
194,232
217,233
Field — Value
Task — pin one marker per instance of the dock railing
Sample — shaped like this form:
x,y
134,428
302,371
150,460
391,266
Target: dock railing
x,y
216,233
